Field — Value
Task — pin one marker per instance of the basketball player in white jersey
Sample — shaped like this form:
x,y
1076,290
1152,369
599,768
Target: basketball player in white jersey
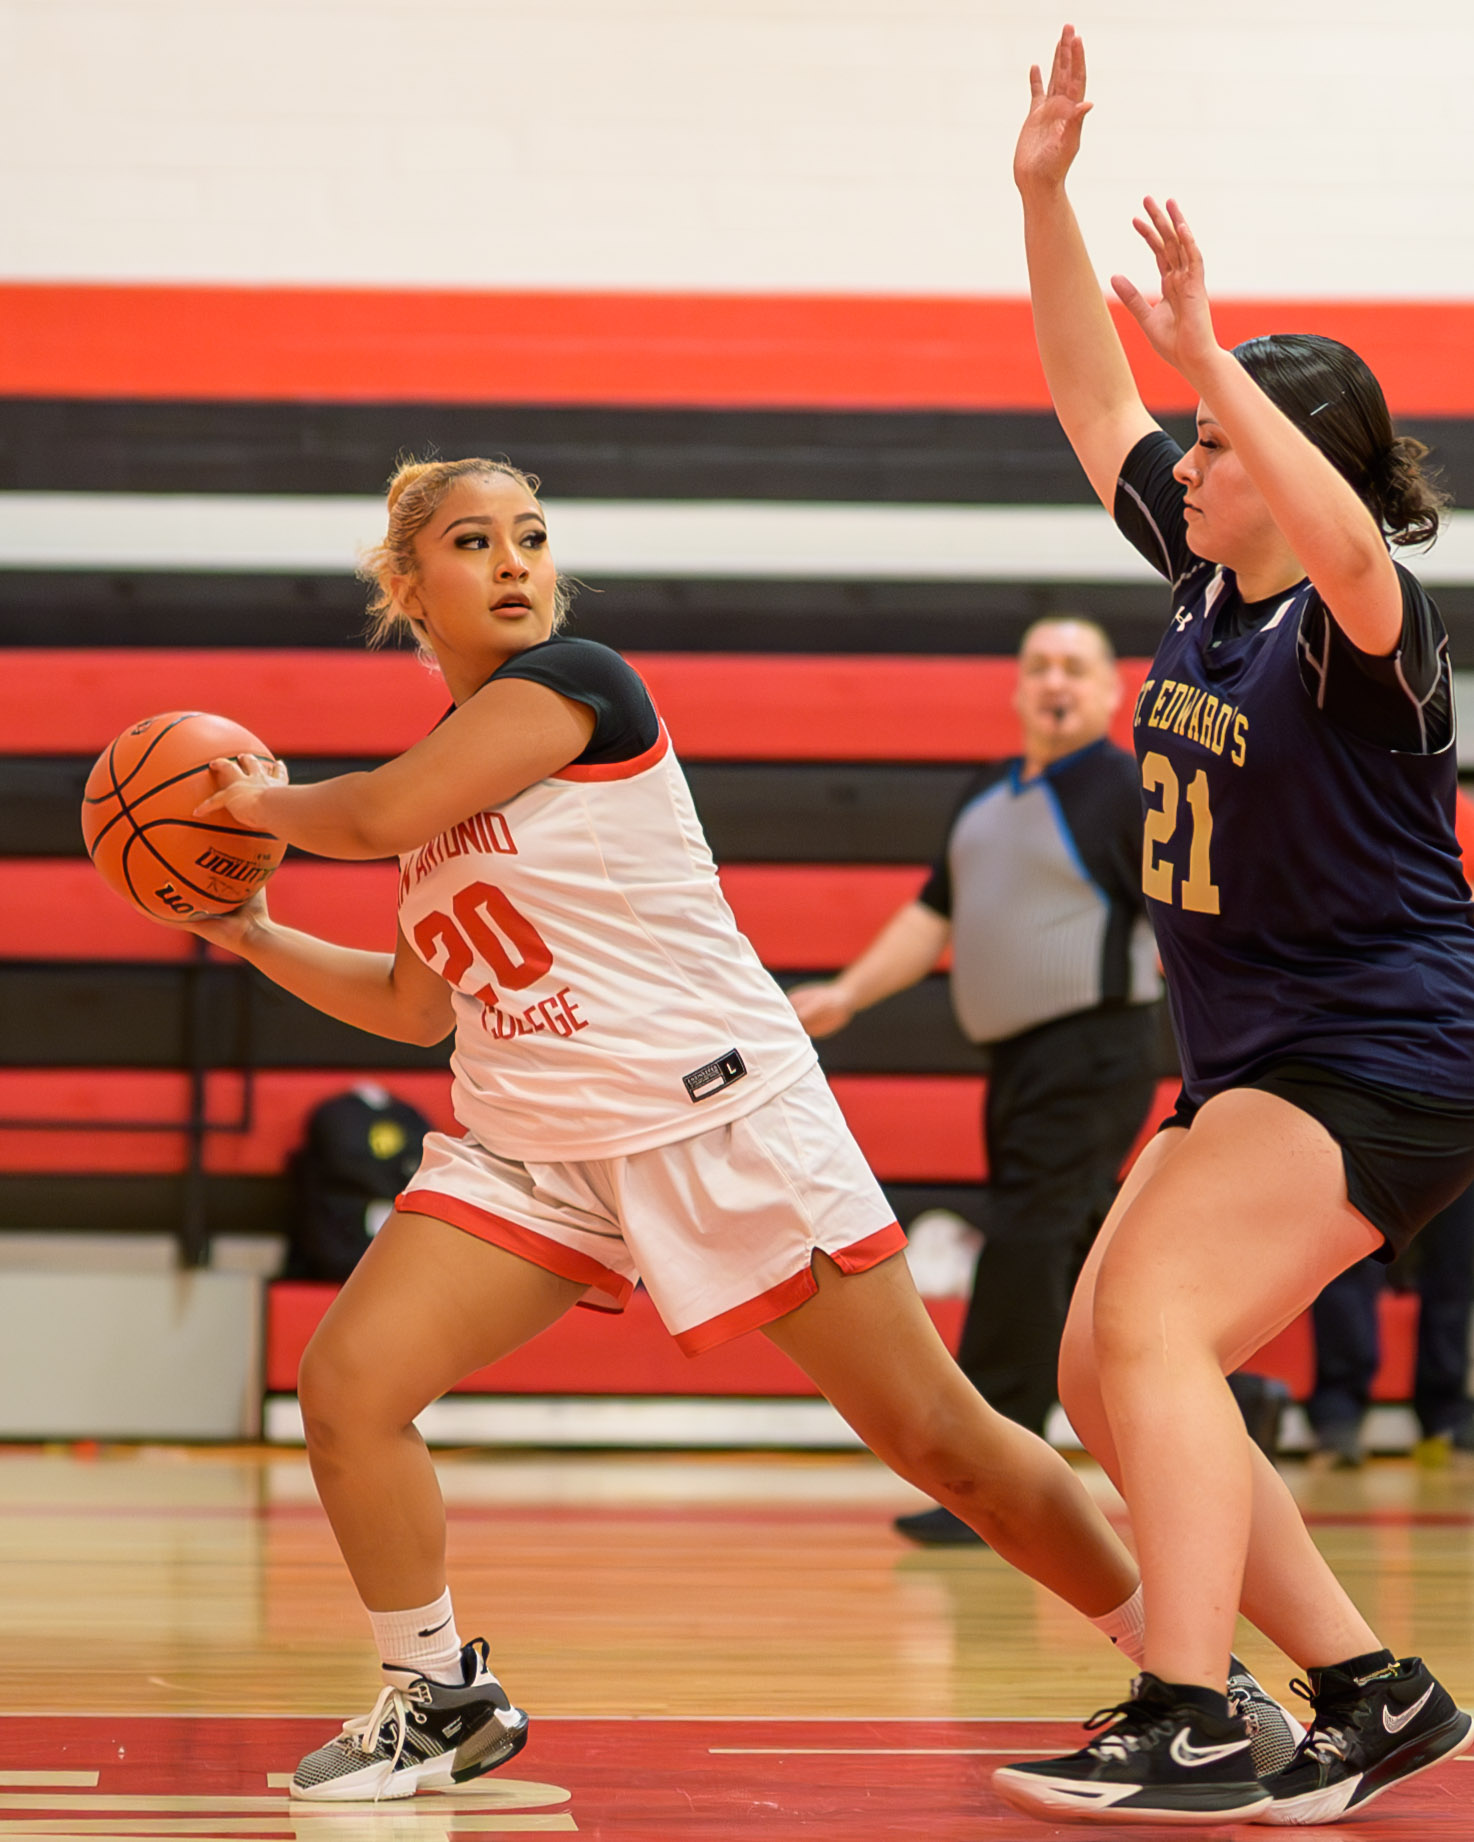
x,y
639,1102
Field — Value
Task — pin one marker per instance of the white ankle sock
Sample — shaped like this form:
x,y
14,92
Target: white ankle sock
x,y
1126,1627
423,1639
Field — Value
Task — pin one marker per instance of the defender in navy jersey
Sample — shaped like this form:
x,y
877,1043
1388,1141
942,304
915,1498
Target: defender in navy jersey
x,y
1295,745
1299,800
639,1102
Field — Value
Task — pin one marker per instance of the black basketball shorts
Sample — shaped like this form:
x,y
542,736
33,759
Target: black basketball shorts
x,y
1406,1155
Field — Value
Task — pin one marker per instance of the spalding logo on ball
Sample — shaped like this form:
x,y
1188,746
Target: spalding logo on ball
x,y
139,824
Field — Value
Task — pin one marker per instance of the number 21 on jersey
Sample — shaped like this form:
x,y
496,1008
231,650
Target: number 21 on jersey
x,y
1198,892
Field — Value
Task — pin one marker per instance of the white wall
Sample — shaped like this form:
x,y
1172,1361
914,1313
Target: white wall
x,y
1322,146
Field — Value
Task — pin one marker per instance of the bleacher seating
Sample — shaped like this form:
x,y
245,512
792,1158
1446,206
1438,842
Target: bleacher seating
x,y
828,726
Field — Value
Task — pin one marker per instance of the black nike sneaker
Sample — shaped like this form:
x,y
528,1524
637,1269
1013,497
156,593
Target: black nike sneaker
x,y
1273,1731
1369,1733
1162,1760
418,1736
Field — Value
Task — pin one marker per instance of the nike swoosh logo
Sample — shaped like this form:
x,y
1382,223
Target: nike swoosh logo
x,y
1186,1754
434,1628
1394,1723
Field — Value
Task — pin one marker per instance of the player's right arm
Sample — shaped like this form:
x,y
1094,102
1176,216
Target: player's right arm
x,y
903,952
394,995
1090,382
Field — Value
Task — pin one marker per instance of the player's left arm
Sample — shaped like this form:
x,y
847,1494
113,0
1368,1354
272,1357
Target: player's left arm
x,y
511,734
1331,532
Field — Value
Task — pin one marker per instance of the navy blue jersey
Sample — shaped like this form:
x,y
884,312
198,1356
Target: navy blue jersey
x,y
1299,862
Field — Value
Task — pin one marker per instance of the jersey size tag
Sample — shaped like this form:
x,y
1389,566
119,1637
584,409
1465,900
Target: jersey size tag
x,y
702,1083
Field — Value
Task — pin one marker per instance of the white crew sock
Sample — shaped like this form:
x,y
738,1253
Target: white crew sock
x,y
1126,1627
422,1640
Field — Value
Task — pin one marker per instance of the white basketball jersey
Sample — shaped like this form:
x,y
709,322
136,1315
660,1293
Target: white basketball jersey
x,y
605,1001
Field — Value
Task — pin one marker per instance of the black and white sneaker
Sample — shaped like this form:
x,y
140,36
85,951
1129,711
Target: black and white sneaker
x,y
1274,1733
1162,1760
418,1736
1369,1733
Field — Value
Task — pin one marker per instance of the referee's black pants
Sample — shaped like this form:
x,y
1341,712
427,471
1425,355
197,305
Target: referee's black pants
x,y
1064,1105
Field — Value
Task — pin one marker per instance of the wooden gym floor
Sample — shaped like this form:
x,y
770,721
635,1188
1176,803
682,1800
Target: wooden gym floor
x,y
711,1648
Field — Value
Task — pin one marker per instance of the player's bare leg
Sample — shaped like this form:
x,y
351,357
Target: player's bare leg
x,y
1238,1269
918,1412
441,1303
444,1303
1222,1235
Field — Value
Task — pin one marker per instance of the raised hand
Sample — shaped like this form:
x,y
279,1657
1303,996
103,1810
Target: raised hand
x,y
1050,136
1180,324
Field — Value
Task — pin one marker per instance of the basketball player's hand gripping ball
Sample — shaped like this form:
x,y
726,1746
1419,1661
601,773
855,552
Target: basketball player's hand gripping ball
x,y
142,824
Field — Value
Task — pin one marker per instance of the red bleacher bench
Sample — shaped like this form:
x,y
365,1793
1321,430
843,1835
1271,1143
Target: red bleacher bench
x,y
598,1352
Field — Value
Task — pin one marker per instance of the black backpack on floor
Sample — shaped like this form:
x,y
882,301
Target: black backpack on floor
x,y
361,1148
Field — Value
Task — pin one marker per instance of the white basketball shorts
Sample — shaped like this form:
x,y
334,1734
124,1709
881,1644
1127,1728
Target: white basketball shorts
x,y
722,1227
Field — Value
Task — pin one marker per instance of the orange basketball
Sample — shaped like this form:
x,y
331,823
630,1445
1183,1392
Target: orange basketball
x,y
139,825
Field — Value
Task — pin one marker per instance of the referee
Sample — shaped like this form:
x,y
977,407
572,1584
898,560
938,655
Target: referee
x,y
1054,972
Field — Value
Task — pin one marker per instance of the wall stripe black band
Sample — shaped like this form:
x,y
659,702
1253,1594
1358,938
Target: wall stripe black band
x,y
179,608
922,457
113,1015
759,812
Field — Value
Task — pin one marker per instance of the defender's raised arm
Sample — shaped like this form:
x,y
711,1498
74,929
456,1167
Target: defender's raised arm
x,y
1090,382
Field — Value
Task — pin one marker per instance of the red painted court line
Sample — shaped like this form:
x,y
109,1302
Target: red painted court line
x,y
717,1510
718,706
620,1780
1391,1518
694,350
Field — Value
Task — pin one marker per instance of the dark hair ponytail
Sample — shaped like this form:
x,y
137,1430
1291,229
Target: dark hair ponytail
x,y
1332,397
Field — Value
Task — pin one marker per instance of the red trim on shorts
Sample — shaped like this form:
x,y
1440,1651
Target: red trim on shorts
x,y
779,1300
527,1243
619,770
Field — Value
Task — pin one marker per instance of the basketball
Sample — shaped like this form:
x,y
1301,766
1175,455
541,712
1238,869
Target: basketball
x,y
139,826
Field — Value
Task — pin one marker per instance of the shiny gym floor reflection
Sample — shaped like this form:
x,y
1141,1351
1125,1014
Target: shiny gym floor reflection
x,y
709,1646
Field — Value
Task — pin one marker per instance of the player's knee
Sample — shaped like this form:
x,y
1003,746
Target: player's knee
x,y
1133,1320
920,1441
332,1391
951,1451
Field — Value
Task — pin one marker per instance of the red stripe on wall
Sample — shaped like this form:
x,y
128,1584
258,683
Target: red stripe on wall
x,y
720,351
322,703
911,1128
916,1128
816,917
70,1100
799,916
60,908
717,706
